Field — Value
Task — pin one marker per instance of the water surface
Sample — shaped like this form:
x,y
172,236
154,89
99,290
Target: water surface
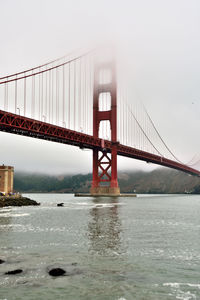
x,y
143,248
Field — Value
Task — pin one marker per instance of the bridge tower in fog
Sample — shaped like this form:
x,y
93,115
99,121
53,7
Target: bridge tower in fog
x,y
105,163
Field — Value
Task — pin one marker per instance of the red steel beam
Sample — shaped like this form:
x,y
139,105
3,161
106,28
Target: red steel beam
x,y
16,124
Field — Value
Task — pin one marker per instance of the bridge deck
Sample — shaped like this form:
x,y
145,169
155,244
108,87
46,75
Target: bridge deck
x,y
20,125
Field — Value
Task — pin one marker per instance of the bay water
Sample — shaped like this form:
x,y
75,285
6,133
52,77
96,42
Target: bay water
x,y
143,248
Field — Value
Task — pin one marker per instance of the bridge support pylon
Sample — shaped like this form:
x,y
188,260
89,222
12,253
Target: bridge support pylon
x,y
105,181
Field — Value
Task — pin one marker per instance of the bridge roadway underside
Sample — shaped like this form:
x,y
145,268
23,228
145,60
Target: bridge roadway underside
x,y
20,125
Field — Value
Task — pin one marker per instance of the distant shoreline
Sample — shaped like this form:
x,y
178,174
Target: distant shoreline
x,y
159,181
61,193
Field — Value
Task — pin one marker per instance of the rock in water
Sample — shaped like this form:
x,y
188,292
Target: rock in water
x,y
16,201
60,204
2,261
57,272
17,271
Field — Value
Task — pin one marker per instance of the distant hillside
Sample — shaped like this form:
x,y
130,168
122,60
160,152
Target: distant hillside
x,y
158,181
24,182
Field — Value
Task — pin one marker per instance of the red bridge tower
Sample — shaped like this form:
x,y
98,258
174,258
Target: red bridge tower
x,y
105,164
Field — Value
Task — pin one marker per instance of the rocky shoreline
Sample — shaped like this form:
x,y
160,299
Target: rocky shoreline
x,y
16,201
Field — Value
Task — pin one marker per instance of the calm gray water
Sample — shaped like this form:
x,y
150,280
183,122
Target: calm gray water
x,y
128,248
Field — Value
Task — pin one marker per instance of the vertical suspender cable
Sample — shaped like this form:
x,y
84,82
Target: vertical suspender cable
x,y
42,103
16,95
6,97
39,102
85,94
123,116
118,113
88,94
79,102
45,111
63,114
75,95
58,100
24,95
81,95
50,96
69,98
91,91
33,97
56,96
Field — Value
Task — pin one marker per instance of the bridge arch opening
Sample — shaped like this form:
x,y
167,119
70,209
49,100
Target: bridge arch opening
x,y
105,130
104,101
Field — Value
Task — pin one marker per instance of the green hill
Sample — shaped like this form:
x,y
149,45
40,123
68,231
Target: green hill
x,y
158,181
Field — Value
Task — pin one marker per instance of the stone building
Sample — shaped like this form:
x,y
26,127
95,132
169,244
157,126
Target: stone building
x,y
6,179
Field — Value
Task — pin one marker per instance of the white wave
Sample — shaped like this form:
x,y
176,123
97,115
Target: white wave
x,y
178,284
172,284
29,227
11,225
2,210
185,295
194,285
79,203
20,215
6,215
180,294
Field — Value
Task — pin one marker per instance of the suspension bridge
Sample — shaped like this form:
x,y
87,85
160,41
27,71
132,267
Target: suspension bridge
x,y
81,100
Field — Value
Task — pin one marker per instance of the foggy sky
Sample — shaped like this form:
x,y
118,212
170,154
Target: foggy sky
x,y
161,40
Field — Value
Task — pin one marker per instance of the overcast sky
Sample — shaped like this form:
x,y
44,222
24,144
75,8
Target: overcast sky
x,y
160,38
